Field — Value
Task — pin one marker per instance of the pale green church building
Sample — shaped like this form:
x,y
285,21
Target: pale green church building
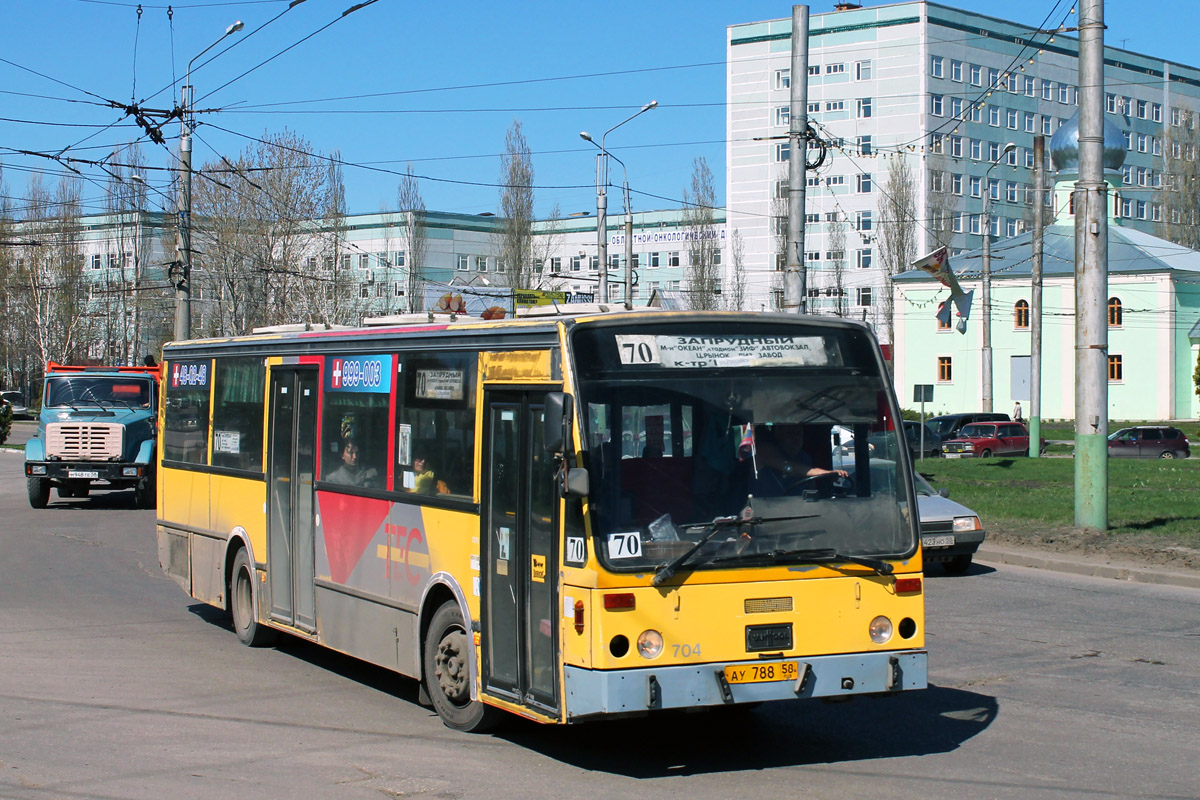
x,y
1153,315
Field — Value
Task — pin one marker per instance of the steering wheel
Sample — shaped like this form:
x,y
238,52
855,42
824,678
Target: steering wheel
x,y
843,486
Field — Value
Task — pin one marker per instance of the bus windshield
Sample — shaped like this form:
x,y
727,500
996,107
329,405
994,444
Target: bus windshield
x,y
772,443
98,392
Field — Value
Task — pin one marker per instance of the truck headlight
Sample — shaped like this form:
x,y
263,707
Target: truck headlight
x,y
37,469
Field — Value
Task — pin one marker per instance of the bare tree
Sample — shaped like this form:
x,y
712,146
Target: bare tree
x,y
338,295
515,241
699,225
779,225
837,264
897,232
1181,176
941,204
737,272
412,206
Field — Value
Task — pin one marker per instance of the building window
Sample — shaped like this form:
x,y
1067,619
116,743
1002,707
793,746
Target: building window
x,y
1156,112
555,265
783,151
1064,94
1142,108
594,263
398,289
937,180
863,181
1116,369
346,262
976,186
673,259
463,262
835,69
364,261
1012,119
835,105
1046,127
1047,90
936,105
862,220
783,115
1021,315
576,263
400,259
956,70
862,259
364,291
976,149
814,108
862,70
945,369
1110,103
864,145
862,296
481,263
935,66
1116,313
956,184
956,107
1029,90
864,107
976,73
993,78
994,116
956,146
783,78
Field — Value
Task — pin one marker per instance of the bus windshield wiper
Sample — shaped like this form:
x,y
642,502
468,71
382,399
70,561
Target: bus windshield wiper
x,y
829,554
668,569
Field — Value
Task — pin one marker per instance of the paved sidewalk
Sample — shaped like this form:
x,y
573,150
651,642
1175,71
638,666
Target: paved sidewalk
x,y
1095,566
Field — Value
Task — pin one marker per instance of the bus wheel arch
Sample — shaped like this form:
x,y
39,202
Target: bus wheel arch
x,y
244,598
448,664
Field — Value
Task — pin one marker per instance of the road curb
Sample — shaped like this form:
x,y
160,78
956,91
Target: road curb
x,y
1074,566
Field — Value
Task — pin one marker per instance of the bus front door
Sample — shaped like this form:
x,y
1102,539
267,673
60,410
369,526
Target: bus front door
x,y
291,465
518,549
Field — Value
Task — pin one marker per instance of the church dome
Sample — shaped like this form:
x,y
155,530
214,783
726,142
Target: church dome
x,y
1064,146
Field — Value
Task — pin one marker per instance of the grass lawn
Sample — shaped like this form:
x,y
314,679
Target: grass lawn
x,y
1145,497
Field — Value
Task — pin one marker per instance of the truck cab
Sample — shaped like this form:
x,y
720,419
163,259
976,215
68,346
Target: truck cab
x,y
97,429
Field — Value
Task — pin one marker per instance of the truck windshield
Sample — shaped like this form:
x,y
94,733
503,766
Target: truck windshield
x,y
97,392
772,443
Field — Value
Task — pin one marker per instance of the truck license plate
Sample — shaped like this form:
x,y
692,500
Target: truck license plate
x,y
82,473
937,541
762,673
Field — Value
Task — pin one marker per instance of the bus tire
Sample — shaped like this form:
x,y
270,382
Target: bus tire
x,y
242,585
447,651
39,492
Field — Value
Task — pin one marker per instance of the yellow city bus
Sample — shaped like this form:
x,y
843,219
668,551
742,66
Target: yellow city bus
x,y
567,517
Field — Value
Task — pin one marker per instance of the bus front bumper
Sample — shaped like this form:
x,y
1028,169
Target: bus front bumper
x,y
594,692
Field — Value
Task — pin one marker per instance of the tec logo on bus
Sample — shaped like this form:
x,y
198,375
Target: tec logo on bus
x,y
358,374
194,374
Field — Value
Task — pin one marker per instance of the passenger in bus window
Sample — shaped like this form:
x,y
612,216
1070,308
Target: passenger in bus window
x,y
350,472
782,462
426,481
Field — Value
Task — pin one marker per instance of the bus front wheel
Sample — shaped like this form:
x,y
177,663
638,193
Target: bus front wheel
x,y
241,600
447,654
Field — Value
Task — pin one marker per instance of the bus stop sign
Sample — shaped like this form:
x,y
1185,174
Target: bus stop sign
x,y
923,393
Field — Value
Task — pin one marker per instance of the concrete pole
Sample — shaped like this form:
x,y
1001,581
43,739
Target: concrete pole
x,y
602,223
795,283
987,298
183,234
1035,303
628,247
1091,279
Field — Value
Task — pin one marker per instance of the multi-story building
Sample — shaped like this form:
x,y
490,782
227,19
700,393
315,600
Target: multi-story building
x,y
940,92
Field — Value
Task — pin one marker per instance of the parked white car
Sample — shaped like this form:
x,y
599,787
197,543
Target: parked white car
x,y
950,532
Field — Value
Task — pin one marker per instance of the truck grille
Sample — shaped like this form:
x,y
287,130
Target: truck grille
x,y
84,441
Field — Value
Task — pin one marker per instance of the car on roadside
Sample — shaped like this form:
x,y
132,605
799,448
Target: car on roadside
x,y
1148,441
947,426
950,532
932,441
987,439
15,399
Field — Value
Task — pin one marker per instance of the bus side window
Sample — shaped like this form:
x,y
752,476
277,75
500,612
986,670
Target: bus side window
x,y
435,415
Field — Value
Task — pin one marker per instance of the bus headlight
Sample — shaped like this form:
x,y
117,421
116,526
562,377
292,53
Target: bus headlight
x,y
880,630
650,644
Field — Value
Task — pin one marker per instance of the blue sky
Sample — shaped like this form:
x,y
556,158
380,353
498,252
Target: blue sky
x,y
558,67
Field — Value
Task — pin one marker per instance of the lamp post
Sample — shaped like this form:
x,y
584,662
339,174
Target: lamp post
x,y
183,236
987,280
602,198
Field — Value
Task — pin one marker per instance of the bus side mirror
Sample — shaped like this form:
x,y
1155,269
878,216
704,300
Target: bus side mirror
x,y
577,483
557,423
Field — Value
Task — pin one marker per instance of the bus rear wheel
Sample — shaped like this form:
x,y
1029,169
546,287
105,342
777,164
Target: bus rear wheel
x,y
447,653
241,602
39,492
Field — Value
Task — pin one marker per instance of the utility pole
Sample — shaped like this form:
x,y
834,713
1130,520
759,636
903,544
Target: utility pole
x,y
1035,306
1091,279
602,223
183,231
795,281
628,246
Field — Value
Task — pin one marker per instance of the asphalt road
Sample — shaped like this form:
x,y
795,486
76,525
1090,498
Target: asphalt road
x,y
113,684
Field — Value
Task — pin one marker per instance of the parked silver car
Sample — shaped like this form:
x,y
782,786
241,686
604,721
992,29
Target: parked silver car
x,y
17,401
950,532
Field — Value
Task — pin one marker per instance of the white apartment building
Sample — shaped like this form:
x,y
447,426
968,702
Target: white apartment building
x,y
943,89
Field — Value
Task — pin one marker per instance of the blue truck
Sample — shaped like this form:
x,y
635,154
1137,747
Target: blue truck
x,y
97,430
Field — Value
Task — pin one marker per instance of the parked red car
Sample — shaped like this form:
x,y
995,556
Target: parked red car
x,y
987,439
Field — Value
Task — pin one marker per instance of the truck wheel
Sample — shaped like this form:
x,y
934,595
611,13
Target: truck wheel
x,y
242,585
145,493
447,651
39,492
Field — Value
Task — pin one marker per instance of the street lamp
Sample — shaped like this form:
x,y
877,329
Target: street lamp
x,y
987,279
183,236
602,203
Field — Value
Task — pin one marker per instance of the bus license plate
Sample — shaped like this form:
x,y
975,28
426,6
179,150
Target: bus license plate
x,y
937,541
762,673
82,473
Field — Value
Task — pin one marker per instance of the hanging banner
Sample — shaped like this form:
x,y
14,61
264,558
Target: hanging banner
x,y
937,264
